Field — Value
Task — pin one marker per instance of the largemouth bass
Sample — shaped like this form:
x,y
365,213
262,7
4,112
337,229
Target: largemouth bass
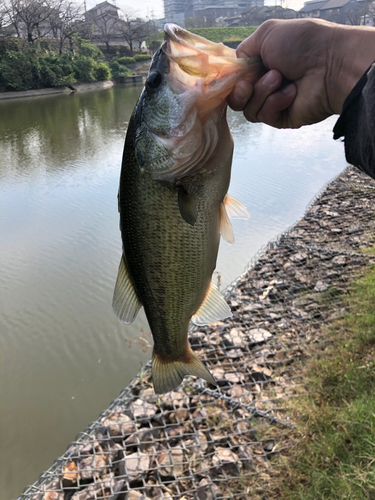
x,y
173,200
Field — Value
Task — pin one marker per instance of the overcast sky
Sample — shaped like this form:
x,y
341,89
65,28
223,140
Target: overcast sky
x,y
145,7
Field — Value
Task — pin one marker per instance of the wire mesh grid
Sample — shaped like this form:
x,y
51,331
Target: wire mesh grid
x,y
201,442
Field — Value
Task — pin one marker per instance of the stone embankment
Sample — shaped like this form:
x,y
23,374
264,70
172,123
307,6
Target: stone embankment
x,y
77,87
202,442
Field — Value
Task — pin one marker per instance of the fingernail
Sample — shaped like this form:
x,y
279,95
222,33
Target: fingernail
x,y
239,94
270,79
289,89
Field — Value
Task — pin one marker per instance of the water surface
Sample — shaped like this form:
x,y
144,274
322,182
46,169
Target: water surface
x,y
64,355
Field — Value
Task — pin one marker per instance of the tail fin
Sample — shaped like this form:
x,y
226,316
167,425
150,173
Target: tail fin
x,y
167,375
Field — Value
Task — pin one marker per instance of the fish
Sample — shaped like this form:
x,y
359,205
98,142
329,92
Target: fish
x,y
173,200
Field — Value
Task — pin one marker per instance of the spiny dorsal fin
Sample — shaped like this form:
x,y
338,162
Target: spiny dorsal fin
x,y
235,209
188,206
125,303
226,229
213,308
167,375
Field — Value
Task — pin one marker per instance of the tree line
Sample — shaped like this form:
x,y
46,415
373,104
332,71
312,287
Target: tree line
x,y
64,21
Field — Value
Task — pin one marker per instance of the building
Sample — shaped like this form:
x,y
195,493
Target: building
x,y
311,9
342,11
207,10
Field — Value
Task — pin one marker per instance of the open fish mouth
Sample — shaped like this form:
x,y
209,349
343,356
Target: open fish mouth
x,y
201,64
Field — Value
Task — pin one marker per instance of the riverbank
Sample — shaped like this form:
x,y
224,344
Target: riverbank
x,y
203,443
77,87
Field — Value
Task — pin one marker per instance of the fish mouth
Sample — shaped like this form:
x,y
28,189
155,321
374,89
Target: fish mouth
x,y
205,65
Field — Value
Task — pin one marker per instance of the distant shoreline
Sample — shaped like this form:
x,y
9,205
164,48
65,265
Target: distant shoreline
x,y
79,87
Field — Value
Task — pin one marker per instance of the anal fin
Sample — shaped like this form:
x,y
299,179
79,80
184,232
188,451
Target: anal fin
x,y
213,308
168,374
125,303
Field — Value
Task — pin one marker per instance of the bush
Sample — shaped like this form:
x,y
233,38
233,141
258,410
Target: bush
x,y
142,57
118,71
102,71
126,60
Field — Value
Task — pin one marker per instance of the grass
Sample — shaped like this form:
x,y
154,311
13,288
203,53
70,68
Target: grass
x,y
335,454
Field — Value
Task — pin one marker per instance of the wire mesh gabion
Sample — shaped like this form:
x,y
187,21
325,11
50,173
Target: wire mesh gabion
x,y
201,442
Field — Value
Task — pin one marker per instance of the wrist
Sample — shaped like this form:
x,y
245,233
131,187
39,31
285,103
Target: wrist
x,y
352,52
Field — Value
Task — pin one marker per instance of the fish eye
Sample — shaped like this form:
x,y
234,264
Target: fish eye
x,y
154,80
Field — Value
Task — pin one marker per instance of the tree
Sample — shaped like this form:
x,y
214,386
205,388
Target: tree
x,y
133,29
105,25
67,24
30,17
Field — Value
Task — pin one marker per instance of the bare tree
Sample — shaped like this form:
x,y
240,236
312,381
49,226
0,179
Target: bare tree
x,y
67,23
31,18
105,25
133,29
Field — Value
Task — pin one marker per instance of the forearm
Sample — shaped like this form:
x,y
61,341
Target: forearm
x,y
352,52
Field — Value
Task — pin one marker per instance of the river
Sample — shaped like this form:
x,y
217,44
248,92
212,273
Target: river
x,y
64,355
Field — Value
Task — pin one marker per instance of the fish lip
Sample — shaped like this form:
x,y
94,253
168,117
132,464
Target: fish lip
x,y
171,30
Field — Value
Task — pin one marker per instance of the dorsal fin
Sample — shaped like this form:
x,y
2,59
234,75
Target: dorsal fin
x,y
125,303
213,308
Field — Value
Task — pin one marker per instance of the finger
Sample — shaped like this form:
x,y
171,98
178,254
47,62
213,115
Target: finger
x,y
241,93
273,110
264,87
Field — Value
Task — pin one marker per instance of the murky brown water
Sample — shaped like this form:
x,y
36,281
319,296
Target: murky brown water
x,y
64,355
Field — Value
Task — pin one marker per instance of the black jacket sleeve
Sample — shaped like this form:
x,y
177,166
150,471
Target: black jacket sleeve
x,y
357,124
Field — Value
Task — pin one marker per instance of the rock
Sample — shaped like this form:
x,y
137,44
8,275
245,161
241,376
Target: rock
x,y
135,495
197,338
143,438
339,260
258,335
142,410
234,378
321,286
108,487
235,338
70,474
207,490
92,466
118,424
175,399
226,460
298,257
268,446
134,466
246,458
238,392
171,463
148,395
234,353
180,415
218,373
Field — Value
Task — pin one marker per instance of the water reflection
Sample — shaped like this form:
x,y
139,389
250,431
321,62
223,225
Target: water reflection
x,y
61,133
64,353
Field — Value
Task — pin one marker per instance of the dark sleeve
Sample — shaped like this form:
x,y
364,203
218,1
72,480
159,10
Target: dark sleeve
x,y
357,124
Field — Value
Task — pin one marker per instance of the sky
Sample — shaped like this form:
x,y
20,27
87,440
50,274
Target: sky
x,y
144,8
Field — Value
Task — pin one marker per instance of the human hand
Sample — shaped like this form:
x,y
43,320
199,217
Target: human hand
x,y
313,65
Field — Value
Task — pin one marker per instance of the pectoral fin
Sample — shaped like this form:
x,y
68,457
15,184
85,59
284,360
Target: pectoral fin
x,y
125,303
213,308
235,209
226,229
188,206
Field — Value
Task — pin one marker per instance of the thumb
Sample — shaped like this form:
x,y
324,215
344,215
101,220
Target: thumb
x,y
250,46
